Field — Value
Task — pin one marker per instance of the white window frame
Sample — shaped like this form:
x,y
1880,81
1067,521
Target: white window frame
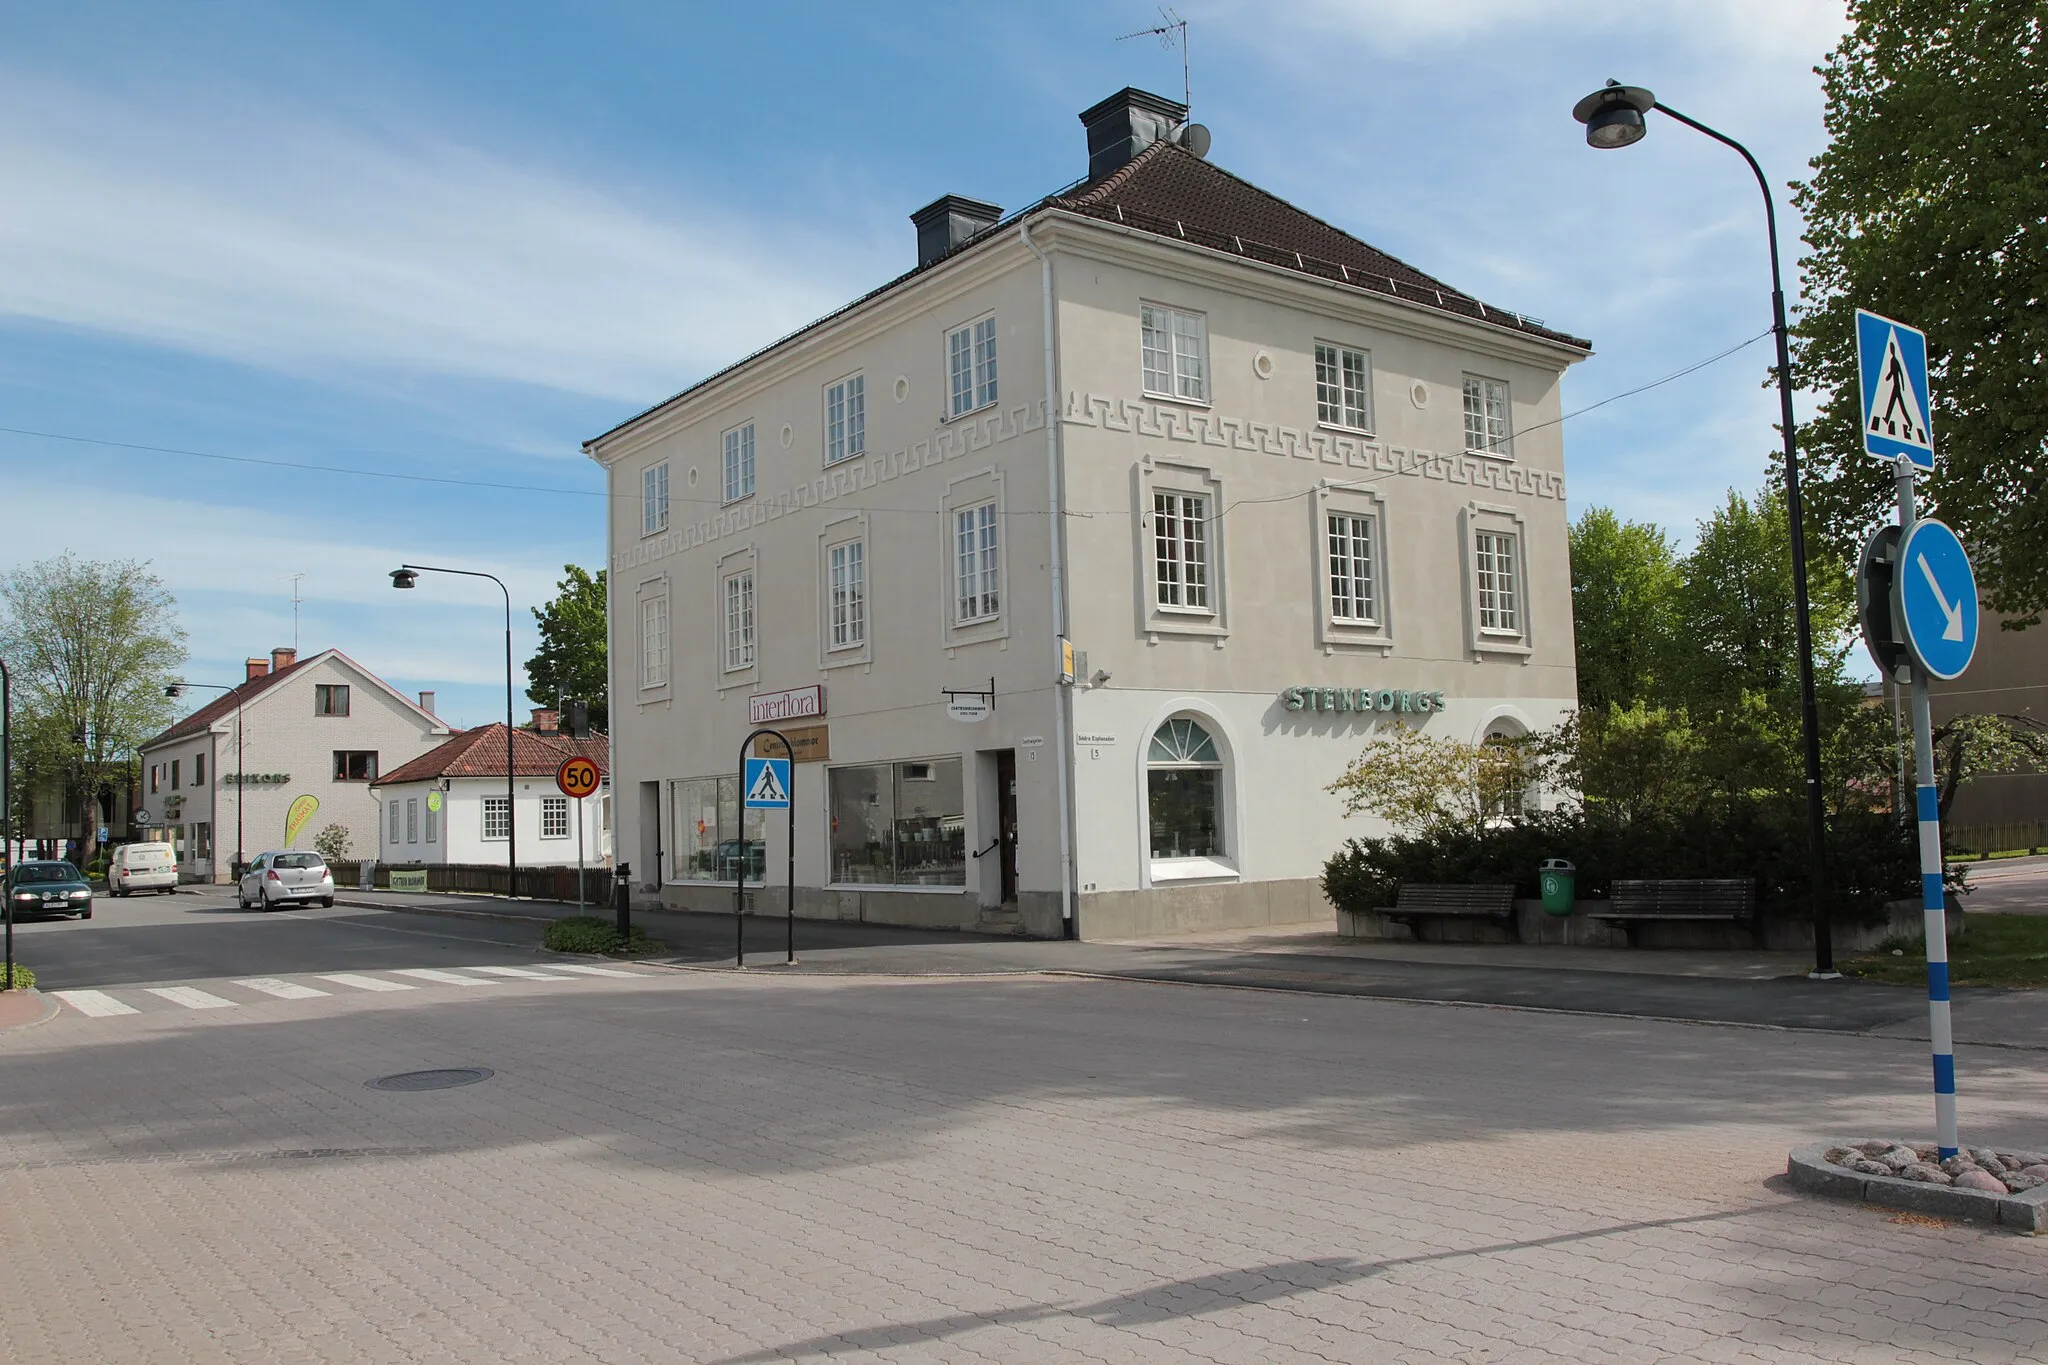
x,y
494,805
1180,551
1497,578
846,419
970,352
1212,867
736,605
655,635
394,822
554,817
1341,402
1173,350
846,595
433,834
1489,418
412,819
737,452
1159,613
1352,573
654,499
977,563
1498,531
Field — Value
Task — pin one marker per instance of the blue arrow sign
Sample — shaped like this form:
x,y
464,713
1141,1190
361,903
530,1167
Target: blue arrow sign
x,y
767,783
1898,410
1934,599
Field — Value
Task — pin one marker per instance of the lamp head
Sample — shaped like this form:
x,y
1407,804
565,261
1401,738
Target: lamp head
x,y
175,690
1613,115
403,578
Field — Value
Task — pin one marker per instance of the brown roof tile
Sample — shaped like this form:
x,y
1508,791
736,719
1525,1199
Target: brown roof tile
x,y
481,753
224,704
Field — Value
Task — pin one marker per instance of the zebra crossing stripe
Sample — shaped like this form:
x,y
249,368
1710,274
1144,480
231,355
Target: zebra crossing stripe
x,y
283,990
445,978
191,997
366,983
523,973
97,1004
587,970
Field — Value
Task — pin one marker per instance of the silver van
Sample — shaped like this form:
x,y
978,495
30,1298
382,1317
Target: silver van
x,y
142,867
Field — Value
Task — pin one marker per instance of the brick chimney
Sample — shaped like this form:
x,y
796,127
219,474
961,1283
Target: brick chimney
x,y
427,702
546,720
281,659
256,668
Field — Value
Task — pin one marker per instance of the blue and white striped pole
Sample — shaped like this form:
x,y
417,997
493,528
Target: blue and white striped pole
x,y
1934,910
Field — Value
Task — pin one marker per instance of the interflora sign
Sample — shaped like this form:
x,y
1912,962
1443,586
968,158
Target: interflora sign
x,y
793,703
1360,699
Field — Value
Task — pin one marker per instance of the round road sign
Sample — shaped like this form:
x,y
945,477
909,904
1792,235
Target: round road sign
x,y
577,777
1934,596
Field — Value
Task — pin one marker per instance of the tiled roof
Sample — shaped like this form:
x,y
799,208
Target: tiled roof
x,y
224,704
481,753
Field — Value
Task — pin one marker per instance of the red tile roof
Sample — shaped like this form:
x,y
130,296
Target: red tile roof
x,y
225,703
481,753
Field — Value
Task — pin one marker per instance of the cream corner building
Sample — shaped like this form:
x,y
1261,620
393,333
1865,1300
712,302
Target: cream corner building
x,y
1276,487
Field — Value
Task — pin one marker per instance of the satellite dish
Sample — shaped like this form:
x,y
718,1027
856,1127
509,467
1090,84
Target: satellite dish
x,y
1194,137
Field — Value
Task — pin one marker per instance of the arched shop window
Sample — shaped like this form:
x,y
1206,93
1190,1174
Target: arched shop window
x,y
1509,791
1184,791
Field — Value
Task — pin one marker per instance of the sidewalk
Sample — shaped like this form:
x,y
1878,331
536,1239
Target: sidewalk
x,y
21,1008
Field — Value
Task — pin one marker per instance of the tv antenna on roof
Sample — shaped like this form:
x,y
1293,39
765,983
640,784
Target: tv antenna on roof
x,y
293,579
1173,30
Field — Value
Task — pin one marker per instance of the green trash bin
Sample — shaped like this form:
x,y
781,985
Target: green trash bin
x,y
1559,881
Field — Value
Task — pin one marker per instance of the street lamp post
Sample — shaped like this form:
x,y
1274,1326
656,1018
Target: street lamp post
x,y
404,577
7,815
241,787
1613,117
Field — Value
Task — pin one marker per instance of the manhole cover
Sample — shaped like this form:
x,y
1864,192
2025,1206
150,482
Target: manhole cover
x,y
446,1079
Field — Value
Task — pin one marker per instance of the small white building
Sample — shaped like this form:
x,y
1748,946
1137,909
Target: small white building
x,y
448,806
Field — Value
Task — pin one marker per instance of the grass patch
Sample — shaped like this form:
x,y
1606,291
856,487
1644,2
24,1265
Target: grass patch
x,y
1992,950
589,934
23,977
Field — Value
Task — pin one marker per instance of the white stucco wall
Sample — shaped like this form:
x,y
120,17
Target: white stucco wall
x,y
459,830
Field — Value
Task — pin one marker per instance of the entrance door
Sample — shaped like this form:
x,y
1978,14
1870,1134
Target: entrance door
x,y
1006,821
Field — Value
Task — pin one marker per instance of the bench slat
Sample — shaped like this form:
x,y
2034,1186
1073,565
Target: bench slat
x,y
1444,899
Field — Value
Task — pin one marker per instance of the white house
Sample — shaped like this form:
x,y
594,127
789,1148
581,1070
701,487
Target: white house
x,y
448,806
322,727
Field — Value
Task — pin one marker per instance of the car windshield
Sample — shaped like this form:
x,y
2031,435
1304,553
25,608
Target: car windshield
x,y
45,872
298,860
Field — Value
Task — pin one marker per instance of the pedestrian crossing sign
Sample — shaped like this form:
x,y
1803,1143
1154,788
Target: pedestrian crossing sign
x,y
1898,410
767,783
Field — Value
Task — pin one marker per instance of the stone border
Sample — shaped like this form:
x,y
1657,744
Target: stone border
x,y
1810,1170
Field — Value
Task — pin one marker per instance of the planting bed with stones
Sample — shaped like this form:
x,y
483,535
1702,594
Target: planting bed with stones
x,y
1973,1168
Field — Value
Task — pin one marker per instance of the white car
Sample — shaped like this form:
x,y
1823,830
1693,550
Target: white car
x,y
281,877
142,867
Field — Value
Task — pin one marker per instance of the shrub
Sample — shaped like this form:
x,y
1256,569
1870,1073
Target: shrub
x,y
332,842
589,934
23,978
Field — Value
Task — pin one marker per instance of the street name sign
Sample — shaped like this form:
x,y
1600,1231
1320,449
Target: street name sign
x,y
1934,600
1898,410
767,783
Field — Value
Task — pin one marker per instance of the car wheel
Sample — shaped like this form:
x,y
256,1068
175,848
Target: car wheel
x,y
327,901
263,901
85,913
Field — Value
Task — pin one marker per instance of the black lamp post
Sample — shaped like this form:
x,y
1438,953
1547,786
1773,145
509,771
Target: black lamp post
x,y
241,788
7,816
404,577
1613,116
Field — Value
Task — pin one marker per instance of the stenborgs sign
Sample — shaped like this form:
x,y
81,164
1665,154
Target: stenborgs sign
x,y
1360,699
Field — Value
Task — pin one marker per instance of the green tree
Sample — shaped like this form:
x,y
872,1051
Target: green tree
x,y
1624,591
1415,781
333,842
571,660
91,645
1930,205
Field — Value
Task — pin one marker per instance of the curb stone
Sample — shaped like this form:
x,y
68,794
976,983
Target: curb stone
x,y
446,912
49,1008
1809,1170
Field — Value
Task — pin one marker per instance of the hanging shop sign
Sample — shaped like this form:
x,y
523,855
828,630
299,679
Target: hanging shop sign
x,y
793,703
1387,699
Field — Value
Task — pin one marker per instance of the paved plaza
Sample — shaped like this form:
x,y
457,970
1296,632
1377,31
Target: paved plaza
x,y
692,1165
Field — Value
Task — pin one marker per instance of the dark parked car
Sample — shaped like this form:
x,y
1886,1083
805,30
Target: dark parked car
x,y
48,888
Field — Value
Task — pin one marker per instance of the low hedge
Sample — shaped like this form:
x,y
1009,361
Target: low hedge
x,y
23,978
589,934
1872,858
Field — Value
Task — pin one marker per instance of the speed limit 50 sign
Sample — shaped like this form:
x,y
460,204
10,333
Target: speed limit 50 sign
x,y
577,777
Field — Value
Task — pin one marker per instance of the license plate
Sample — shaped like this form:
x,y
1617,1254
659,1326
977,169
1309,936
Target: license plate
x,y
54,901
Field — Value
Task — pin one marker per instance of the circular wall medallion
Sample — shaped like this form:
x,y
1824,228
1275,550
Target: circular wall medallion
x,y
445,1079
788,435
902,388
693,476
1418,394
1262,365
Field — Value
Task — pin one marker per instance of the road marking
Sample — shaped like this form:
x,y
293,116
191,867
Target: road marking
x,y
446,978
367,983
191,998
98,1004
588,970
283,990
523,973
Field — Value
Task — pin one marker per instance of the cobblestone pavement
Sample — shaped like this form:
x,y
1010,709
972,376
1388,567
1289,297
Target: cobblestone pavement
x,y
688,1166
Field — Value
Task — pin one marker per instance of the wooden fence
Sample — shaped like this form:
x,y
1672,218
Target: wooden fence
x,y
2002,837
539,883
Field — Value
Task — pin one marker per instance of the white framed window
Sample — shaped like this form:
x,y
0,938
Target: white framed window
x,y
1499,582
739,621
1343,387
412,819
433,819
1186,791
394,821
1176,353
1354,587
1180,548
554,817
977,595
971,367
654,499
654,640
847,595
1487,429
739,463
846,419
497,817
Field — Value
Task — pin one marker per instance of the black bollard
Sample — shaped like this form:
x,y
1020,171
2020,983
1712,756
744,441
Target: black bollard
x,y
622,898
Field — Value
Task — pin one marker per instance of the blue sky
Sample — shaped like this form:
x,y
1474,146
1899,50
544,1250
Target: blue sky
x,y
455,240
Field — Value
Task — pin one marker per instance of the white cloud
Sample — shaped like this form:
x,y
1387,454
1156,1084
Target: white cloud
x,y
271,237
